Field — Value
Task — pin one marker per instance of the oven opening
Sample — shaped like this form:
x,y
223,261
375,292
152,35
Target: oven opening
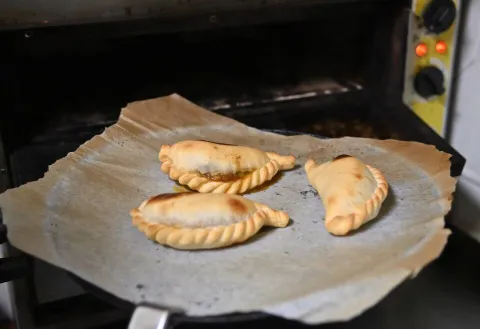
x,y
309,75
73,88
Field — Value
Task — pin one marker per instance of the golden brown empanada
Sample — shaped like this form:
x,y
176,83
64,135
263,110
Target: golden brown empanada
x,y
351,191
203,221
220,168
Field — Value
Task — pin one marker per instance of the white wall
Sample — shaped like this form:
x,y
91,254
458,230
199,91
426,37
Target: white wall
x,y
465,129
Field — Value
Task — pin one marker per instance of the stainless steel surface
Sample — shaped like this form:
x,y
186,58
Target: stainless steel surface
x,y
145,317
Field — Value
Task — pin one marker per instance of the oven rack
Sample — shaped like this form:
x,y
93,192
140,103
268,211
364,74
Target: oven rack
x,y
306,90
330,95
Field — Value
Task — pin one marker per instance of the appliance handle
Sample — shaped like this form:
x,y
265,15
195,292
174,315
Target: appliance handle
x,y
149,317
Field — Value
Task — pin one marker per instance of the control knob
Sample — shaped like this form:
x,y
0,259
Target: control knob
x,y
439,15
429,81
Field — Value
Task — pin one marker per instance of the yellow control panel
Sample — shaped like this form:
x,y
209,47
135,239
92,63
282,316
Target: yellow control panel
x,y
429,60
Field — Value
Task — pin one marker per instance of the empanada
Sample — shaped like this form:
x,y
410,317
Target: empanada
x,y
220,168
203,221
351,191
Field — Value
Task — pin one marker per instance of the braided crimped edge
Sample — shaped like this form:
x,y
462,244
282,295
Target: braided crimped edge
x,y
202,184
210,237
341,225
199,183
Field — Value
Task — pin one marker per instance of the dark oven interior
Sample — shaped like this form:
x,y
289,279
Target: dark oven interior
x,y
314,75
333,69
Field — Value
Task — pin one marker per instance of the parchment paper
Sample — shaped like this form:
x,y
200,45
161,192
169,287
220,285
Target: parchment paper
x,y
77,217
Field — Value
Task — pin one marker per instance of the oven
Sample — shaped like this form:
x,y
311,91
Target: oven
x,y
373,68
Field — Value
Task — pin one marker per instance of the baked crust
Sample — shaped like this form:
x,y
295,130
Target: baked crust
x,y
191,221
352,192
209,167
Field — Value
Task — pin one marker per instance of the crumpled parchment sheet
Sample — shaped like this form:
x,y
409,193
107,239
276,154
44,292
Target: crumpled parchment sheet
x,y
77,217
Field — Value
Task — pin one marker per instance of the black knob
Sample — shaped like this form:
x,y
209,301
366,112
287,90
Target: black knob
x,y
429,81
439,15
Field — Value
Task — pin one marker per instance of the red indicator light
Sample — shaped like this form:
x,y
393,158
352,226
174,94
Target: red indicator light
x,y
421,50
441,47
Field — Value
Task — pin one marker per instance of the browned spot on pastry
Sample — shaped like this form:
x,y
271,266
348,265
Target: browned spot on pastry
x,y
351,192
220,177
223,177
331,200
188,145
238,159
237,206
202,140
167,196
358,176
341,156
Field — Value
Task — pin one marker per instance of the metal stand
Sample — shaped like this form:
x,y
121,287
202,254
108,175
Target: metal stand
x,y
148,317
